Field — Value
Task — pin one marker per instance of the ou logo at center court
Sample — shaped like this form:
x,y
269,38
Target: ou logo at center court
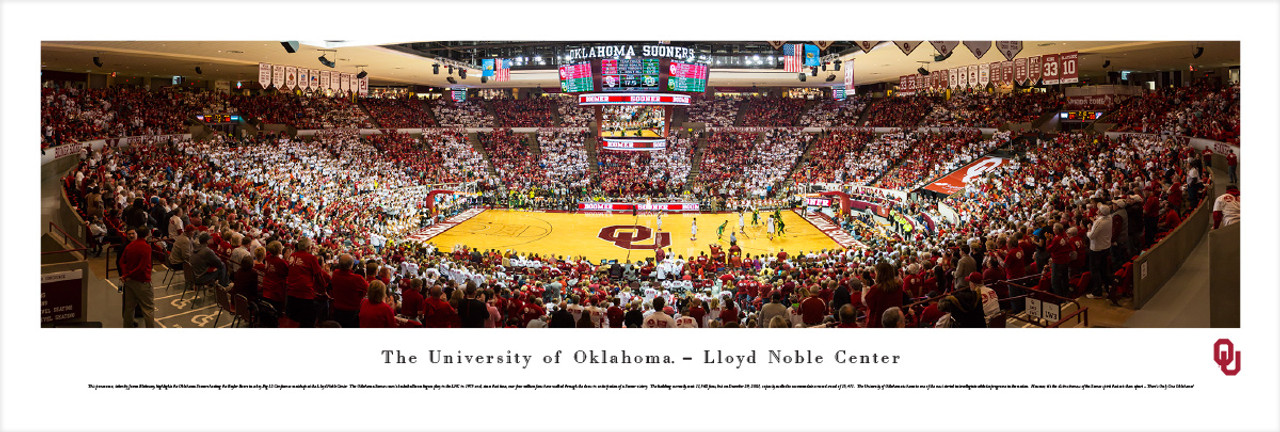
x,y
627,237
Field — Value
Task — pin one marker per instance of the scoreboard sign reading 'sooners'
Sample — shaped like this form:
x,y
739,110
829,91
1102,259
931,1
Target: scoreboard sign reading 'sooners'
x,y
624,50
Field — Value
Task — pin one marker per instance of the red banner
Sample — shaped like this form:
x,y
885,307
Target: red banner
x,y
1070,72
958,180
1049,69
1020,71
1007,69
1033,70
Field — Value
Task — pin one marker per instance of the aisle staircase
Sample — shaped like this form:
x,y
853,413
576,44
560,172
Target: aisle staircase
x,y
474,138
695,162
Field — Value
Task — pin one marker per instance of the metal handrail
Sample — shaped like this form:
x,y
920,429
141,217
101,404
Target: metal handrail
x,y
65,239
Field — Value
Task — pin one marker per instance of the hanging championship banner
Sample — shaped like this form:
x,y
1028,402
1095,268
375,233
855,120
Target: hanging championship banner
x,y
277,76
344,82
355,83
776,44
902,83
907,46
866,45
978,48
264,75
1007,76
848,76
315,79
952,80
324,80
291,77
303,80
945,47
1020,71
943,76
364,86
973,75
1049,69
1009,49
1033,70
962,78
1069,70
984,74
996,77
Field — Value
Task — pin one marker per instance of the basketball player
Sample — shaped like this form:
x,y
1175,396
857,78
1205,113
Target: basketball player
x,y
659,221
755,216
769,227
693,230
720,230
742,223
782,227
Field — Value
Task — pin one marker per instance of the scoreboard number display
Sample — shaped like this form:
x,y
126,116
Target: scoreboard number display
x,y
629,75
687,77
575,78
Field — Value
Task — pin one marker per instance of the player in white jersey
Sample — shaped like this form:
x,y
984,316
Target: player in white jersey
x,y
659,221
768,223
693,230
742,222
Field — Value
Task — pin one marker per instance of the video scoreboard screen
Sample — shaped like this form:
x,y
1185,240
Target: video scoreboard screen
x,y
628,75
687,77
458,95
218,118
1080,115
576,78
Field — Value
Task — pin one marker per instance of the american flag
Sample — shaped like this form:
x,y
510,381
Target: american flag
x,y
503,72
793,55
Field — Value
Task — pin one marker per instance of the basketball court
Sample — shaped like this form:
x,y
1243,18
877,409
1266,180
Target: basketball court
x,y
623,236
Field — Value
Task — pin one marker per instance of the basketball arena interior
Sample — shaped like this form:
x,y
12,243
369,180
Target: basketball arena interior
x,y
650,184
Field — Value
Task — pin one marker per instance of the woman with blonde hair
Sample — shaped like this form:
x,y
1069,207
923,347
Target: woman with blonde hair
x,y
375,311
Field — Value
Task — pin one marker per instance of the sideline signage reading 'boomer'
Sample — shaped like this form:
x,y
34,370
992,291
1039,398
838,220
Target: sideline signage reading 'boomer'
x,y
633,99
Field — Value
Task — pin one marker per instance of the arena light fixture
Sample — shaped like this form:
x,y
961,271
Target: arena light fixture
x,y
435,69
97,61
1199,52
813,70
837,64
802,77
362,74
831,77
325,61
1106,63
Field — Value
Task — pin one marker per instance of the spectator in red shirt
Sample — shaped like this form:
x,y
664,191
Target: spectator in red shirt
x,y
273,278
812,308
848,317
374,311
436,312
305,285
411,300
886,293
348,289
135,271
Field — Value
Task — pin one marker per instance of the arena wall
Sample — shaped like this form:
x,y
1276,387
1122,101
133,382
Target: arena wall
x,y
1224,277
1159,263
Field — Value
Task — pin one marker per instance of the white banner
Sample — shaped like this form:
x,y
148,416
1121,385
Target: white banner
x,y
264,75
324,80
277,74
291,77
973,75
344,82
333,81
315,79
984,74
304,79
953,81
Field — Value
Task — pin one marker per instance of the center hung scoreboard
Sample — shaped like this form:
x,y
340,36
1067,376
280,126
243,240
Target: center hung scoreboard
x,y
634,75
633,89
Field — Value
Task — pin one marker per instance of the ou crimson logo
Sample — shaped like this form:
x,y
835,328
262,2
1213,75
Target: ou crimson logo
x,y
1224,354
627,237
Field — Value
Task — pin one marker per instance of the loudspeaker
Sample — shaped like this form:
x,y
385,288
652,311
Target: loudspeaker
x,y
325,61
831,77
824,66
837,64
462,73
290,46
1199,52
362,74
484,79
198,71
1106,63
813,70
802,78
923,71
451,80
435,69
97,61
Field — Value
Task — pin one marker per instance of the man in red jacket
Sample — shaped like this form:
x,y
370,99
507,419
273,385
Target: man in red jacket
x,y
306,286
813,309
348,289
436,312
135,271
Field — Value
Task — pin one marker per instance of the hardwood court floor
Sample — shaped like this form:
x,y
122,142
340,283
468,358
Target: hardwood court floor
x,y
580,234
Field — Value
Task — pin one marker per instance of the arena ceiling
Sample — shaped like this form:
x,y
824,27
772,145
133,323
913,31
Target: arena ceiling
x,y
398,63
